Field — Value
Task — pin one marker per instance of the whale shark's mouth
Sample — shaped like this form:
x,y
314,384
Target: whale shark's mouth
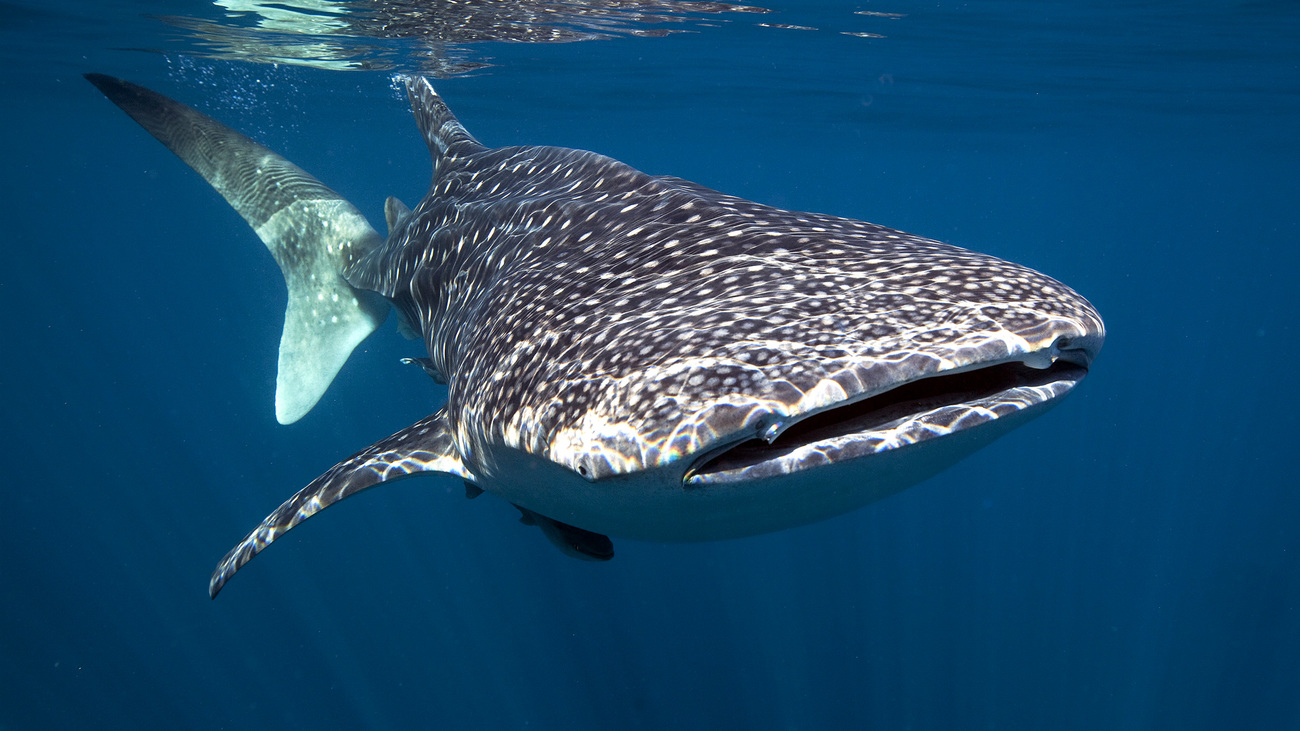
x,y
908,414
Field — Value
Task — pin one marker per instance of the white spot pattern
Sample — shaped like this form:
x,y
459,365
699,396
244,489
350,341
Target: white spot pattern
x,y
612,321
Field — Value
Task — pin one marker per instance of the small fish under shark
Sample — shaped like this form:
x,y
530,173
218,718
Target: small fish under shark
x,y
632,355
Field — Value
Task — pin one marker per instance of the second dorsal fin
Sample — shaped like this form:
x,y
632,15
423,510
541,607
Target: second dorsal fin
x,y
395,213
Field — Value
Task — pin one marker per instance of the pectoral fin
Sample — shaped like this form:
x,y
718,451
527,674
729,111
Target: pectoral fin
x,y
425,446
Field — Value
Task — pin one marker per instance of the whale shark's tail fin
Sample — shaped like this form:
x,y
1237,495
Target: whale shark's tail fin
x,y
313,233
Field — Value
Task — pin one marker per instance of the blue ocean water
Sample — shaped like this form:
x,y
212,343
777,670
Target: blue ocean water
x,y
1131,560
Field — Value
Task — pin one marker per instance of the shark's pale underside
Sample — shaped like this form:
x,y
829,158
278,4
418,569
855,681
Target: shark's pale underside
x,y
637,355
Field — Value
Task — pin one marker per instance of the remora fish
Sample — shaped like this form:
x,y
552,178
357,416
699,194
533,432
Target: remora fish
x,y
637,355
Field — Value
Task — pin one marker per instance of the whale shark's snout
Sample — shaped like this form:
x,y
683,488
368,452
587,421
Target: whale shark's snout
x,y
1081,350
984,398
997,345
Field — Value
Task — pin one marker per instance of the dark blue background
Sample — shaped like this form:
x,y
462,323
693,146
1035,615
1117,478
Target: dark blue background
x,y
1129,561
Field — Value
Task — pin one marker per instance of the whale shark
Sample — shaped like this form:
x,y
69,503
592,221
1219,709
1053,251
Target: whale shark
x,y
635,355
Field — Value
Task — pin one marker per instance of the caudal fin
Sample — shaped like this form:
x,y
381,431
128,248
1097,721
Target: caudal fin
x,y
311,231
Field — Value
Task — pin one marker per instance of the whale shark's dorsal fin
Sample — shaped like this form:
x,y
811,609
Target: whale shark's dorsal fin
x,y
313,233
445,135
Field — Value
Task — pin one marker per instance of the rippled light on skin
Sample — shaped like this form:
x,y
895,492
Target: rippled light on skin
x,y
620,350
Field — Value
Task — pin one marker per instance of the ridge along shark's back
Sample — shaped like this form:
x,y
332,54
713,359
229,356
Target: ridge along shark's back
x,y
645,357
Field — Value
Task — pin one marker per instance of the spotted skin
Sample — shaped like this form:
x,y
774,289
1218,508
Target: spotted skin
x,y
641,356
612,322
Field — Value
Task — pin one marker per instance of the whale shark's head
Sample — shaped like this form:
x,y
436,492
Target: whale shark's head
x,y
731,345
667,328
